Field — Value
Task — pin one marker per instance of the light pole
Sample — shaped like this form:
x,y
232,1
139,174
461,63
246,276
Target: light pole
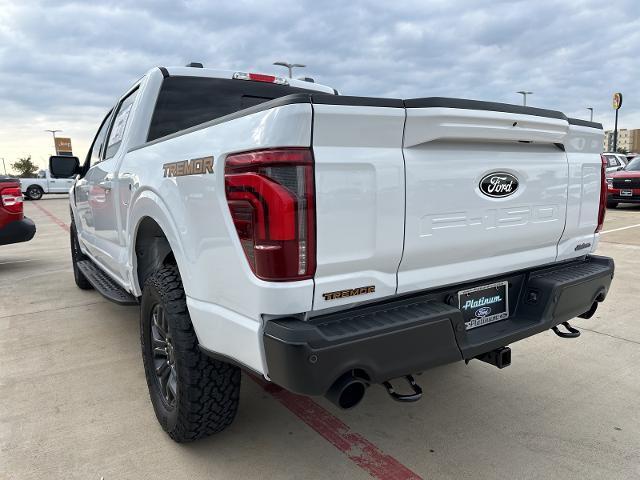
x,y
290,66
524,96
53,132
591,116
4,166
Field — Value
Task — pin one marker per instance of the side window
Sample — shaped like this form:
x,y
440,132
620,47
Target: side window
x,y
99,141
120,124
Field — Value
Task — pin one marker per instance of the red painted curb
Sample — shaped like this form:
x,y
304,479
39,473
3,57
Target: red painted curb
x,y
55,219
357,448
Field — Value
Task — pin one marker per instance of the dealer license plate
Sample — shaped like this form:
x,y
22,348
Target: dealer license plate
x,y
484,305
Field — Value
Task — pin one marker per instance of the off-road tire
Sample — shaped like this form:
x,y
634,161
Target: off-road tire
x,y
34,192
207,390
77,256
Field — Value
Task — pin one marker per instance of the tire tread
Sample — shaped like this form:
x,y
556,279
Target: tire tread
x,y
208,388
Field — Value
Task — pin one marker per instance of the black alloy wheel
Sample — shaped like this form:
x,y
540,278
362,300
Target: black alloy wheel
x,y
164,359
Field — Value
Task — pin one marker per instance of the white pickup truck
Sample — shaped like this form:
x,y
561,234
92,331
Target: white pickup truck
x,y
34,188
328,243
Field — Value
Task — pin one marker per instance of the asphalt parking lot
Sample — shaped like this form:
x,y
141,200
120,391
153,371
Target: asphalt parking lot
x,y
74,402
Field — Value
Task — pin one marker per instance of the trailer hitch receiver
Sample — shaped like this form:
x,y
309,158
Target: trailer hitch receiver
x,y
500,357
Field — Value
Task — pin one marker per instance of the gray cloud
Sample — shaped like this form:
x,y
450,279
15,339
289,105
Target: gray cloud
x,y
63,64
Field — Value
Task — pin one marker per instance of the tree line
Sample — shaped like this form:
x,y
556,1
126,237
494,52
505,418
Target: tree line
x,y
25,167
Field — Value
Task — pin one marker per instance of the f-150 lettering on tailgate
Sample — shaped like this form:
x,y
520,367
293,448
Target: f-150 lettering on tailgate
x,y
490,218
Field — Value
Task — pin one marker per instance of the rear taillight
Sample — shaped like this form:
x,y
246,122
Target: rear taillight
x,y
11,198
271,198
602,209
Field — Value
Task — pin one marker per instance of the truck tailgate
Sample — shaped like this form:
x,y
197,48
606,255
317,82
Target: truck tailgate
x,y
359,201
453,231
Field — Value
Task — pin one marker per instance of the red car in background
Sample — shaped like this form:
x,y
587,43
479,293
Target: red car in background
x,y
14,226
624,185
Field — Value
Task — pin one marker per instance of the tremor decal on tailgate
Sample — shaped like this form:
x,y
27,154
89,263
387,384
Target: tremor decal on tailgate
x,y
349,293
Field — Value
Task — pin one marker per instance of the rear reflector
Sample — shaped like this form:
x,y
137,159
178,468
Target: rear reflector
x,y
11,199
602,208
271,199
259,77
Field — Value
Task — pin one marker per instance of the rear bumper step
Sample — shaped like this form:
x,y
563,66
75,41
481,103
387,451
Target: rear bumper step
x,y
403,336
105,285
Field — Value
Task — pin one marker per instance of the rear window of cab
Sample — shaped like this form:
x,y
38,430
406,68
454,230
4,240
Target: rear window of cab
x,y
184,102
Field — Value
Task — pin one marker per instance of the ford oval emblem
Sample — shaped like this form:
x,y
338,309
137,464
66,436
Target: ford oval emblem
x,y
483,312
498,184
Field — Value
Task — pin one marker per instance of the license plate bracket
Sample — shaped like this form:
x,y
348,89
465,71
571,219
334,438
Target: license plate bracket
x,y
484,304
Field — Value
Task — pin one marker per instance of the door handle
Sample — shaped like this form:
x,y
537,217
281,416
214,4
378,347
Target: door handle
x,y
106,184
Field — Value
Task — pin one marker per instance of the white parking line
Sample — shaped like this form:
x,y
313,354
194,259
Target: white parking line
x,y
621,228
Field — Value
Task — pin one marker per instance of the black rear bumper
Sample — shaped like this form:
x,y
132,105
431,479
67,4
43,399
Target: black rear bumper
x,y
411,334
17,231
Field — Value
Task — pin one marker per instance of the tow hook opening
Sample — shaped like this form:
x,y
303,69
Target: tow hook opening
x,y
400,397
571,332
500,357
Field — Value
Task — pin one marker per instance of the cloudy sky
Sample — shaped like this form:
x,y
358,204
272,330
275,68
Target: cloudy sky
x,y
63,64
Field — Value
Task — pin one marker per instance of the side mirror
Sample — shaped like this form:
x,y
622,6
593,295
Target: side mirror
x,y
619,168
61,166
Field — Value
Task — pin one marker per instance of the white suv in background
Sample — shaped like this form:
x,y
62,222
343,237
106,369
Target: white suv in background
x,y
615,161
